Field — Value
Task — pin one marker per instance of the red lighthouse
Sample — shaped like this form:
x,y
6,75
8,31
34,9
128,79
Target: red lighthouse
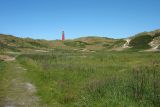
x,y
63,36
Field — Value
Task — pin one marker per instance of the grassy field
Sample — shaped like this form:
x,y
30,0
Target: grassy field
x,y
103,79
2,66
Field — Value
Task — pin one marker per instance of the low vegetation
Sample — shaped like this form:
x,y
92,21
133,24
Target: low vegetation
x,y
78,44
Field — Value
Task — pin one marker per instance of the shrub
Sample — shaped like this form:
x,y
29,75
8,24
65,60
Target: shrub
x,y
141,41
76,44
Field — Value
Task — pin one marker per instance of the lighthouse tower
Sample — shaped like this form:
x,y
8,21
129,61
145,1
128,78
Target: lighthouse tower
x,y
63,36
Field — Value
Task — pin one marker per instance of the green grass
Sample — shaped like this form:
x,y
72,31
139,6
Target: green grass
x,y
102,79
2,73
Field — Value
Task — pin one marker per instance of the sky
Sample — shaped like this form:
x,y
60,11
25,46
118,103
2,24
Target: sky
x,y
46,19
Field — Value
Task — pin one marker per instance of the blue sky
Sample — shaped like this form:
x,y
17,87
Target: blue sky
x,y
46,19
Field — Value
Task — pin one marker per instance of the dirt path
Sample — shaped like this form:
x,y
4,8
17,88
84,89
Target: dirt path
x,y
7,58
19,92
126,45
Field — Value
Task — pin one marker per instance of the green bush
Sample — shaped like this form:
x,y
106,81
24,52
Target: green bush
x,y
79,44
141,41
116,44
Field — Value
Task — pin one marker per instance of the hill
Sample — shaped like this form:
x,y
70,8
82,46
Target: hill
x,y
92,43
146,40
141,41
10,42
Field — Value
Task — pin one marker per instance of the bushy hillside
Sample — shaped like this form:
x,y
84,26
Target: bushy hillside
x,y
145,40
95,40
9,42
79,44
141,41
101,42
116,44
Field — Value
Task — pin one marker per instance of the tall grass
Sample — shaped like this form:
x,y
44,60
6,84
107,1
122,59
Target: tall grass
x,y
145,84
2,94
103,79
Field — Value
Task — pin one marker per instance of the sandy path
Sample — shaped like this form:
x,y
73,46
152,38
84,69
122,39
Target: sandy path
x,y
19,91
7,58
126,45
